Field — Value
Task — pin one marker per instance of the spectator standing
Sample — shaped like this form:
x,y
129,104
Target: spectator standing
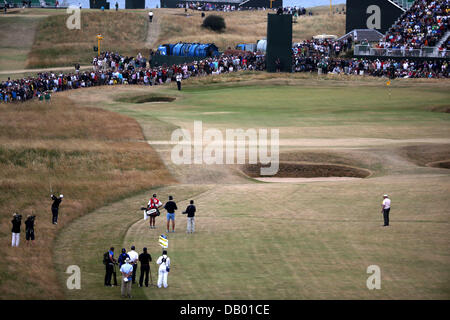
x,y
127,276
134,258
150,16
29,229
16,223
144,258
109,263
190,211
178,78
170,206
123,256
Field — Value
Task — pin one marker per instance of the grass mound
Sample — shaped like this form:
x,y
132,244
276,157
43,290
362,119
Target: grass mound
x,y
435,155
55,45
440,164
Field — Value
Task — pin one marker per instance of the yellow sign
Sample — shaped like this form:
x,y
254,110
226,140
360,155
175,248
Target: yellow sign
x,y
99,38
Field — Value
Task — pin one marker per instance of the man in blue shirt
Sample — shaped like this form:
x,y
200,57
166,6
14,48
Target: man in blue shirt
x,y
110,271
123,256
127,274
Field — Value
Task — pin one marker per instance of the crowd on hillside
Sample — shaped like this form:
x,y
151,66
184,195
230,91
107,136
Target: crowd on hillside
x,y
111,68
422,25
207,6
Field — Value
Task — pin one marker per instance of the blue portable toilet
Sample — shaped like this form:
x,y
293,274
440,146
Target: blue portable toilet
x,y
176,49
192,49
171,46
162,50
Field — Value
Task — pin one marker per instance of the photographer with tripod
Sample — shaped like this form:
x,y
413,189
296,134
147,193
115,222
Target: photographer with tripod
x,y
16,223
29,229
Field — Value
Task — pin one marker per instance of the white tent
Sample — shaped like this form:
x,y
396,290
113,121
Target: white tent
x,y
325,36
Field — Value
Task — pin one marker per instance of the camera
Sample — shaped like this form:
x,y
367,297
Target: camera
x,y
32,218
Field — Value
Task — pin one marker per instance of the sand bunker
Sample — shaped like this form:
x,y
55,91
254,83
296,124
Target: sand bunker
x,y
305,180
146,98
295,170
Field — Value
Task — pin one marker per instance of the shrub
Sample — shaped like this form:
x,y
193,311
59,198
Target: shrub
x,y
214,22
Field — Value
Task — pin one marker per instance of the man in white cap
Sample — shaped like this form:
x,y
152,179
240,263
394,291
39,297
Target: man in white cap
x,y
55,207
385,208
127,276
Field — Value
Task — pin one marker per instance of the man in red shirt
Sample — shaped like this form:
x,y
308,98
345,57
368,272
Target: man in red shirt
x,y
153,205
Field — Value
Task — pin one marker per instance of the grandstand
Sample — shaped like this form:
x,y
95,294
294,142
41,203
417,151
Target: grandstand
x,y
33,3
405,4
421,31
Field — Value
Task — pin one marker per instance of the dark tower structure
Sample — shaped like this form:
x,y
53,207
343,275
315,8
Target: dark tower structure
x,y
279,42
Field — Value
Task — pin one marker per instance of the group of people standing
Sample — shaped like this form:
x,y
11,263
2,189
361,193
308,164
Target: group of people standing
x,y
30,223
128,261
128,264
152,211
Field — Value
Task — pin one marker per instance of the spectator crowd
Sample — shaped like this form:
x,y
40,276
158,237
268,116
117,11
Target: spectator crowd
x,y
422,25
111,68
389,68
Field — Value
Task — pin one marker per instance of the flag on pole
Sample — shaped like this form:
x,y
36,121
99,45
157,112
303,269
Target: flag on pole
x,y
388,83
163,241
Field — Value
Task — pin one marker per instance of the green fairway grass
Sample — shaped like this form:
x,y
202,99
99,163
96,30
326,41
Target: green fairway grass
x,y
277,240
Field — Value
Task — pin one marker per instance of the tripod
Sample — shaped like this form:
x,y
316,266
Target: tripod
x,y
151,279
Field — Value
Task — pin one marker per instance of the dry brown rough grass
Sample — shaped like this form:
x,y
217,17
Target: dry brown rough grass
x,y
92,156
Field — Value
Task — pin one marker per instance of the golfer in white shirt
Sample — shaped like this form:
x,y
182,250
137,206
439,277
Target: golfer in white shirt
x,y
385,208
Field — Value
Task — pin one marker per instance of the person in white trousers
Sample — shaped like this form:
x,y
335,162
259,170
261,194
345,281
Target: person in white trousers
x,y
164,265
16,222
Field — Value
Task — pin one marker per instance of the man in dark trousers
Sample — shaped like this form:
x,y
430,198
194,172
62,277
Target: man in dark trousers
x,y
109,263
55,207
190,211
29,228
144,258
178,78
170,206
385,209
